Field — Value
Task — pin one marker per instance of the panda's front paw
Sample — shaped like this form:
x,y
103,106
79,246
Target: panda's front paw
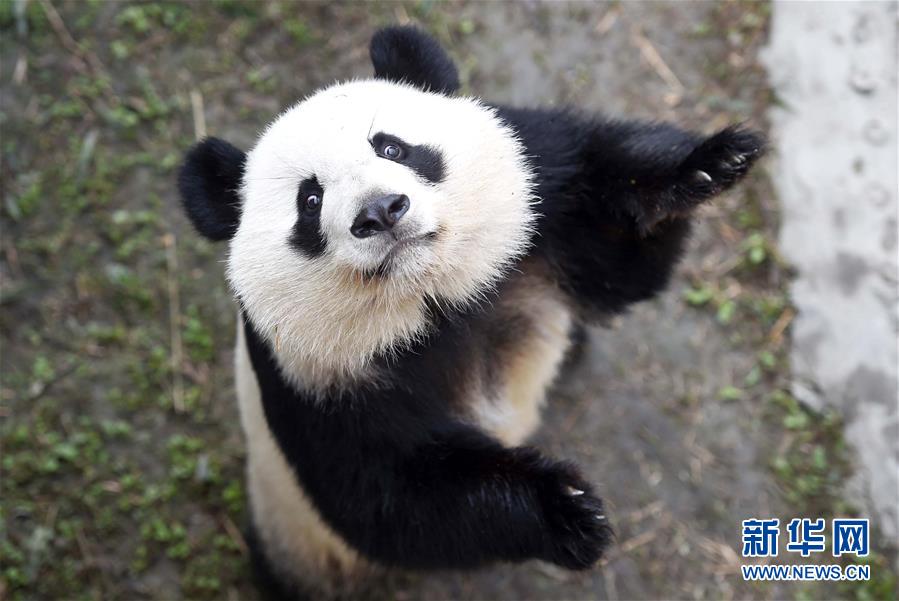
x,y
719,161
577,529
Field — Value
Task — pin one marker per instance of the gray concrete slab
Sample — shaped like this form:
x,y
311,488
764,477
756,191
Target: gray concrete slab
x,y
833,67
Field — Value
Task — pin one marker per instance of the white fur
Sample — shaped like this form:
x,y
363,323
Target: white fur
x,y
529,368
322,316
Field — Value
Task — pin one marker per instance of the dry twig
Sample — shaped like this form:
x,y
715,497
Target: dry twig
x,y
608,20
85,60
196,105
234,533
62,32
656,61
782,323
177,351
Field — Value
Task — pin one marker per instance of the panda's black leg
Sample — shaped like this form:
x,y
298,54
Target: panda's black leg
x,y
461,502
712,166
655,172
718,162
576,527
615,214
472,501
270,584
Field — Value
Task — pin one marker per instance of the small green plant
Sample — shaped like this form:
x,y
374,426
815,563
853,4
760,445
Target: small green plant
x,y
814,464
197,336
299,30
756,248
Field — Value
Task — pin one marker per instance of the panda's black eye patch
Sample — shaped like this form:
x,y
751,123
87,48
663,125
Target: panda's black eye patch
x,y
306,235
424,160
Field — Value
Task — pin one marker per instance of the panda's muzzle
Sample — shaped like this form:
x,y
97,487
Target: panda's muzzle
x,y
380,215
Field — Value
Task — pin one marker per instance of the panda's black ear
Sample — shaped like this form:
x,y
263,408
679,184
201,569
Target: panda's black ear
x,y
407,54
209,181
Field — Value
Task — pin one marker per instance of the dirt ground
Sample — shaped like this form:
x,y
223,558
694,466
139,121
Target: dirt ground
x,y
122,456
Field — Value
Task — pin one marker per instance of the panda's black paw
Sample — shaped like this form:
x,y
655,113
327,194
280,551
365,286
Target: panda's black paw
x,y
577,529
718,162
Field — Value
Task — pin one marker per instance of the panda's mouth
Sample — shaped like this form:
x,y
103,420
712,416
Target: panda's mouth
x,y
386,265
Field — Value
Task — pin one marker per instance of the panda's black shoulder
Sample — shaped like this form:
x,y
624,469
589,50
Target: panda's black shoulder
x,y
554,139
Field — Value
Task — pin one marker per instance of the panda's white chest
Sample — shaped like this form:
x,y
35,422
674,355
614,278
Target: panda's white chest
x,y
512,413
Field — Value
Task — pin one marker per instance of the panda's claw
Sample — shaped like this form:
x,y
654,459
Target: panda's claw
x,y
577,532
703,176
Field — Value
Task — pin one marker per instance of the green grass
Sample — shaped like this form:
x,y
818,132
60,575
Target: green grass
x,y
104,482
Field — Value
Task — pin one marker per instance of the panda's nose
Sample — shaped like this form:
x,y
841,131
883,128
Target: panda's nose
x,y
380,215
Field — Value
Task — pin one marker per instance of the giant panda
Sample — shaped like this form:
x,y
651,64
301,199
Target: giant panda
x,y
411,267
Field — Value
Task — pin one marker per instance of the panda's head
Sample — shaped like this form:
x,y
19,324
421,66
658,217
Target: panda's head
x,y
360,203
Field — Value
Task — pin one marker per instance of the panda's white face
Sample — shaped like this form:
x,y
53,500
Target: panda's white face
x,y
360,203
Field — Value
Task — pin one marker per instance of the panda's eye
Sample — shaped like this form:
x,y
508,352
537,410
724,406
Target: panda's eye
x,y
313,202
391,151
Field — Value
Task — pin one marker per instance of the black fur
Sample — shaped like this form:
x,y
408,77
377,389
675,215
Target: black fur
x,y
424,160
307,236
616,197
406,54
270,584
208,181
406,484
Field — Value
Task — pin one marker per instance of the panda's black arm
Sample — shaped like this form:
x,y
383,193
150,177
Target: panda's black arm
x,y
408,486
616,197
461,500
